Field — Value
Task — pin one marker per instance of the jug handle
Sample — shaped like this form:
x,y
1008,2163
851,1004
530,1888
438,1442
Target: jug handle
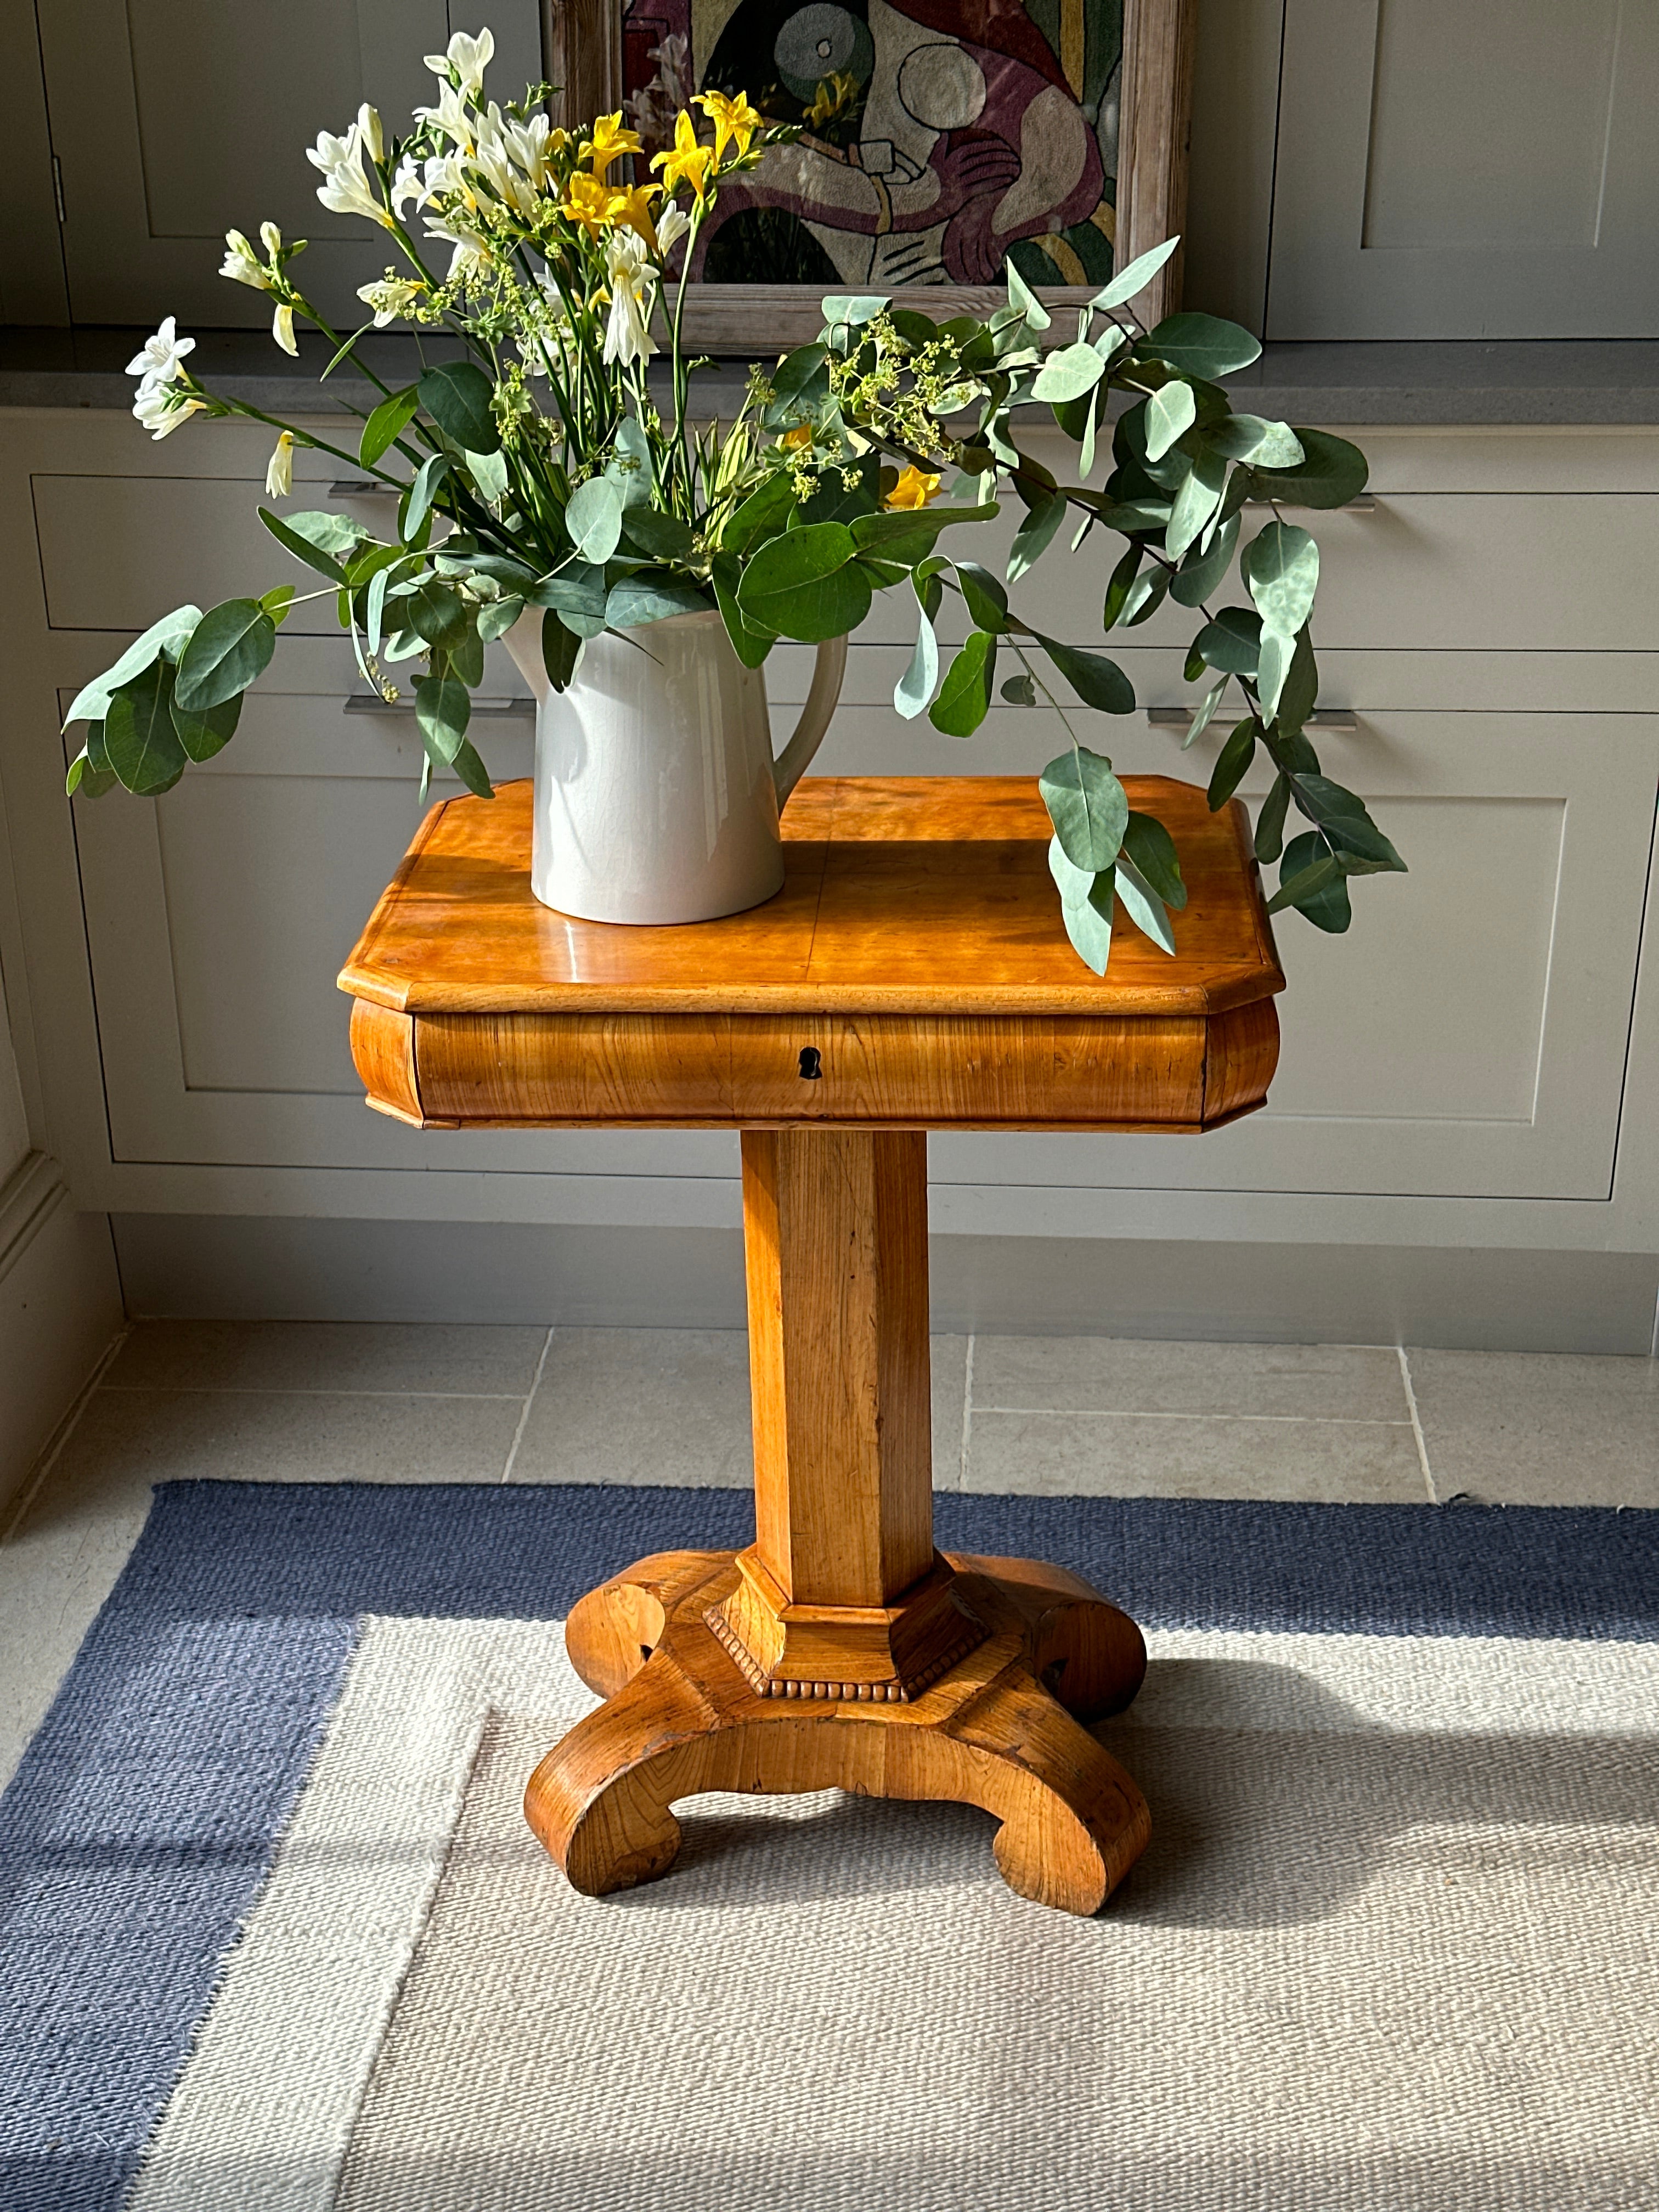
x,y
793,761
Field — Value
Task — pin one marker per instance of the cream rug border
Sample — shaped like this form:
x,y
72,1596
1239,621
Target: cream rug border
x,y
270,2093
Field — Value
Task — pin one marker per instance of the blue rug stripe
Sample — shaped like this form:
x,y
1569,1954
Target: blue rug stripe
x,y
144,1819
465,1552
134,1840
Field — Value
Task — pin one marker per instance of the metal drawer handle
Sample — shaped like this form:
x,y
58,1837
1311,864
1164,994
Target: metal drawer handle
x,y
366,703
1365,504
1340,721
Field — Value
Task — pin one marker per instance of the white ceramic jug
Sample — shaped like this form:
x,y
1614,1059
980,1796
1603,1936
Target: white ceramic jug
x,y
657,796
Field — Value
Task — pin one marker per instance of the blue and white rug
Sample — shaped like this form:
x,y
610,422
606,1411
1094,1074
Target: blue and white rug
x,y
275,1935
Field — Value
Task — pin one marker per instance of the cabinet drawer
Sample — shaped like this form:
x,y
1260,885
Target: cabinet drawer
x,y
725,1072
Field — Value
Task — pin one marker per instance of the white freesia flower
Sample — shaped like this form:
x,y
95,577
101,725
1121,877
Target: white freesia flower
x,y
673,224
469,57
162,407
161,359
528,144
279,477
470,251
242,265
452,116
496,165
281,329
370,132
391,298
633,288
345,188
408,187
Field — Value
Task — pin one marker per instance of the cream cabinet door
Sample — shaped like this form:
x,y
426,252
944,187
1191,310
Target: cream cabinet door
x,y
173,120
1484,171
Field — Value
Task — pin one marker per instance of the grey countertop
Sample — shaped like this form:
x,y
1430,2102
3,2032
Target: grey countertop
x,y
1538,381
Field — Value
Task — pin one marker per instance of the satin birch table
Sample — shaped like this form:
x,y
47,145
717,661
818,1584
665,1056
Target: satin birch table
x,y
912,975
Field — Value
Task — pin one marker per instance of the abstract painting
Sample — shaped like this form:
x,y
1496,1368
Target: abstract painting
x,y
941,139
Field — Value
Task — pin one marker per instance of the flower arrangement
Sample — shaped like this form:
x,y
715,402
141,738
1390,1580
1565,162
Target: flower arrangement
x,y
538,464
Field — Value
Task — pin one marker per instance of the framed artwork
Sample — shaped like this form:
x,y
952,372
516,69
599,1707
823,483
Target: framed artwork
x,y
941,139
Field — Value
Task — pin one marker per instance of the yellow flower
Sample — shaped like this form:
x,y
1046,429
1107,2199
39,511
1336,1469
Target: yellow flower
x,y
609,144
800,436
688,161
733,119
913,488
590,203
633,211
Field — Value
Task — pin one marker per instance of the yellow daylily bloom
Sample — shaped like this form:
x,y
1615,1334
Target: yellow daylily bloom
x,y
609,144
688,163
590,203
632,210
913,488
801,435
733,119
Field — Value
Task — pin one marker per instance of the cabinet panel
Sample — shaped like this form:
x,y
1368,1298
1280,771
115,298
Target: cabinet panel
x,y
174,119
217,918
1466,172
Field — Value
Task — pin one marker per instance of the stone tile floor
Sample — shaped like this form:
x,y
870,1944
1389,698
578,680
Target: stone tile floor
x,y
332,1402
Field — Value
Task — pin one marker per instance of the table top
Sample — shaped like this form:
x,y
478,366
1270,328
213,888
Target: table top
x,y
918,894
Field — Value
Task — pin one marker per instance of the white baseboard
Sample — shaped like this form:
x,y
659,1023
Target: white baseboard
x,y
60,1305
279,1267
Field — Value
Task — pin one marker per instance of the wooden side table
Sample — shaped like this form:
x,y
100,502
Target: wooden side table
x,y
911,975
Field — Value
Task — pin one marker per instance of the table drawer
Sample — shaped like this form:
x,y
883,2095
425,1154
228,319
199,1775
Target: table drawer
x,y
1170,1073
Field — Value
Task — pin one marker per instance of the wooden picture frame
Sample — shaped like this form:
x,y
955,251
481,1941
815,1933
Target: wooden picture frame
x,y
584,45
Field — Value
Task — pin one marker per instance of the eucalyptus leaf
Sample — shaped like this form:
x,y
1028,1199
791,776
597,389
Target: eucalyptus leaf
x,y
1311,880
1233,642
1087,899
637,601
229,647
168,636
751,645
629,466
1098,681
764,512
416,506
1202,573
1331,473
854,307
983,596
435,610
1142,905
85,775
443,707
1117,589
1270,823
798,382
1249,438
1231,764
594,518
1138,274
1205,714
579,593
664,537
203,735
1020,296
1150,848
561,650
457,395
914,688
1068,373
375,612
387,424
1202,345
1020,691
964,696
292,540
1300,691
1277,652
1195,503
1170,413
804,585
1144,596
466,657
1281,568
489,472
1033,536
1087,805
140,742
